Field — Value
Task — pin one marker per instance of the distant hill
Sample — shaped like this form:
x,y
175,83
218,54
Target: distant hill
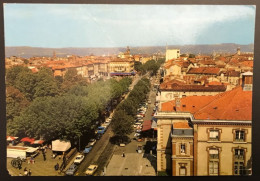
x,y
27,52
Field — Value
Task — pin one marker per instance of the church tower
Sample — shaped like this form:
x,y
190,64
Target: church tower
x,y
238,51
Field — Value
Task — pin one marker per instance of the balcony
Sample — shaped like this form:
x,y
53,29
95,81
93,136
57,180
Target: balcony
x,y
239,157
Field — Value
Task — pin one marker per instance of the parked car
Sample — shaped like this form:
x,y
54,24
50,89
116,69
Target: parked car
x,y
101,130
108,120
91,169
79,159
92,142
87,149
72,169
139,116
138,131
137,134
98,136
107,124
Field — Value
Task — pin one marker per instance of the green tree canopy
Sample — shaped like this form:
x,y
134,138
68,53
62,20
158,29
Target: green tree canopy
x,y
64,117
15,102
122,123
13,73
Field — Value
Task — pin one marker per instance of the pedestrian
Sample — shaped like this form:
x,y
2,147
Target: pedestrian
x,y
28,160
19,166
44,157
57,166
123,155
29,172
20,174
25,173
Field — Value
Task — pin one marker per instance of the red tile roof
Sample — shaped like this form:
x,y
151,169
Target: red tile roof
x,y
204,70
248,63
231,105
215,83
194,88
178,125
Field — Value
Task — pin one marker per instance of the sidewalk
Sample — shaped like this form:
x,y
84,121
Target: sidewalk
x,y
39,168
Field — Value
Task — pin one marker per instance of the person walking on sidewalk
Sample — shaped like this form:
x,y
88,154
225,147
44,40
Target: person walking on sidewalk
x,y
29,172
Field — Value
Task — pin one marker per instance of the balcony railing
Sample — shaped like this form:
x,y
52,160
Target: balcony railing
x,y
214,139
213,156
239,157
240,140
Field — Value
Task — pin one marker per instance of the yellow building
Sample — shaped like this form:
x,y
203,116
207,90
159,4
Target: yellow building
x,y
219,138
172,53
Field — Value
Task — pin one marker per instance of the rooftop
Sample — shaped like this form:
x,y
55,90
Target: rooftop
x,y
204,70
231,105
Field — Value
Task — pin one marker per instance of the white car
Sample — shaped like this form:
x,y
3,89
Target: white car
x,y
91,169
92,142
79,159
137,134
108,120
138,131
138,124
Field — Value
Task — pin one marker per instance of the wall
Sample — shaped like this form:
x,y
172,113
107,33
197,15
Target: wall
x,y
225,144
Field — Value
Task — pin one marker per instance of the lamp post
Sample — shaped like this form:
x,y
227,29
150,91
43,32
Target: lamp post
x,y
79,143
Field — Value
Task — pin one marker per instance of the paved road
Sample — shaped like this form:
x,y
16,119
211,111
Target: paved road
x,y
133,163
99,149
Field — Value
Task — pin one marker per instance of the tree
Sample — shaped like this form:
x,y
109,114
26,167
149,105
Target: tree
x,y
137,66
191,56
15,102
45,84
72,78
25,82
63,117
129,107
122,124
13,73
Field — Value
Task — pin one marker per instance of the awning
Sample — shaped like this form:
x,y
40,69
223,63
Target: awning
x,y
31,150
27,139
147,125
59,145
154,124
10,138
37,142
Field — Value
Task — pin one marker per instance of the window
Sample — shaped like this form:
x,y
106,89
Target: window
x,y
239,162
214,135
213,161
213,168
182,171
239,168
239,154
240,136
213,154
183,149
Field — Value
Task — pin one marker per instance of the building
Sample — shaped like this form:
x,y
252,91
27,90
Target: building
x,y
177,89
172,53
215,133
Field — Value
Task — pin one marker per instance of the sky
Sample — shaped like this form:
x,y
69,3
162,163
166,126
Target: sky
x,y
86,25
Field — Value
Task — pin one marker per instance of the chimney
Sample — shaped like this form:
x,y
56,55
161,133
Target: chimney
x,y
177,102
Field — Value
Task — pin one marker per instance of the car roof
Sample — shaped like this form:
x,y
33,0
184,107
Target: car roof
x,y
92,166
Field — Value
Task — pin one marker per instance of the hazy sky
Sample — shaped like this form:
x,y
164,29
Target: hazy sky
x,y
66,25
